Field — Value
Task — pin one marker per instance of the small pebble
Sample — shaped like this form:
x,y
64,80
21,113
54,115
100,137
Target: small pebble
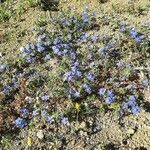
x,y
2,68
130,131
2,96
40,134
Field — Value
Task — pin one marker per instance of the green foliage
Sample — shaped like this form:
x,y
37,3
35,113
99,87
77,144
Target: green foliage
x,y
6,142
5,11
33,3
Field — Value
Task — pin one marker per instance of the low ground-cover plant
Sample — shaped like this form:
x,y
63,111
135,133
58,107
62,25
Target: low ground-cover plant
x,y
73,70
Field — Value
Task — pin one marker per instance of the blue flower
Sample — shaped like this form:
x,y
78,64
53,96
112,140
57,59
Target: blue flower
x,y
30,59
102,50
73,55
87,88
90,76
94,38
110,97
50,119
15,85
119,64
140,38
73,73
68,76
84,37
85,15
133,33
135,109
43,113
27,50
43,36
146,83
65,51
35,112
40,47
57,41
66,46
32,46
47,43
20,122
45,97
122,28
109,100
24,112
76,94
7,90
78,73
132,98
66,22
56,49
106,48
65,121
101,91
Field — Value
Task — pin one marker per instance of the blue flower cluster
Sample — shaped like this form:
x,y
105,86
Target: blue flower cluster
x,y
133,33
10,87
138,37
87,88
65,121
74,73
85,68
87,62
131,105
90,76
61,48
107,94
37,51
20,122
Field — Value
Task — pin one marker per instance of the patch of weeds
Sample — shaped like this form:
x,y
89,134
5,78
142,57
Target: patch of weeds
x,y
41,22
33,3
5,11
146,106
51,5
19,11
111,146
6,142
10,9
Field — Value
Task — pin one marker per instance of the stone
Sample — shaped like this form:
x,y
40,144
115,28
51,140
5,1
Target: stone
x,y
40,134
130,131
